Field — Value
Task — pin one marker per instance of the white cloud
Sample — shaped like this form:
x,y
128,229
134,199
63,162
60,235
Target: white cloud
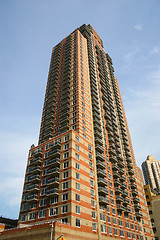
x,y
155,50
138,27
142,109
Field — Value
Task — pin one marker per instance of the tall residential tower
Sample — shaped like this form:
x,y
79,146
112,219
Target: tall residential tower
x,y
151,172
83,171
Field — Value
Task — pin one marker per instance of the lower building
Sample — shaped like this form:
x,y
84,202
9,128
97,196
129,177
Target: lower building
x,y
153,202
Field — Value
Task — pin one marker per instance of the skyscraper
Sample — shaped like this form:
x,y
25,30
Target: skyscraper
x,y
151,172
83,171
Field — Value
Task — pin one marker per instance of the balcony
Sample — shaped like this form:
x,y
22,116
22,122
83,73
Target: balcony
x,y
33,197
35,161
96,121
120,207
100,156
116,175
47,123
117,182
112,152
101,164
113,159
52,171
131,172
126,201
52,163
38,153
127,209
132,179
34,178
127,154
53,181
125,193
52,192
119,198
134,192
64,120
47,135
129,160
136,199
97,133
122,179
33,170
98,141
102,181
101,172
133,185
103,200
99,148
34,187
114,166
124,185
139,215
137,207
53,154
96,115
118,190
97,127
102,190
121,171
120,164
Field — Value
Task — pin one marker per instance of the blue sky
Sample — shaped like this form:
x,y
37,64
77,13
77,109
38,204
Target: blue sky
x,y
29,29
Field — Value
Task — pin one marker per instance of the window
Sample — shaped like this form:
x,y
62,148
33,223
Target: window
x,y
77,176
77,138
66,146
91,173
113,211
74,114
103,229
91,183
66,137
77,197
66,155
65,164
102,217
65,197
24,207
65,185
43,202
23,218
77,147
121,233
115,221
77,156
83,128
112,194
65,174
127,224
128,235
77,209
90,165
84,136
42,214
74,120
65,209
64,220
32,216
83,115
43,191
115,231
109,219
92,192
83,109
78,222
78,186
54,200
112,201
93,214
132,226
93,203
110,230
94,227
90,156
53,211
120,222
108,209
77,165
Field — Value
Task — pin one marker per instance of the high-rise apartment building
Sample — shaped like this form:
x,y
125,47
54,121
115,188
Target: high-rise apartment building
x,y
151,172
83,171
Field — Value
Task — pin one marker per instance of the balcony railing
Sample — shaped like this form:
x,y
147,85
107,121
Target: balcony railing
x,y
52,191
101,172
102,181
